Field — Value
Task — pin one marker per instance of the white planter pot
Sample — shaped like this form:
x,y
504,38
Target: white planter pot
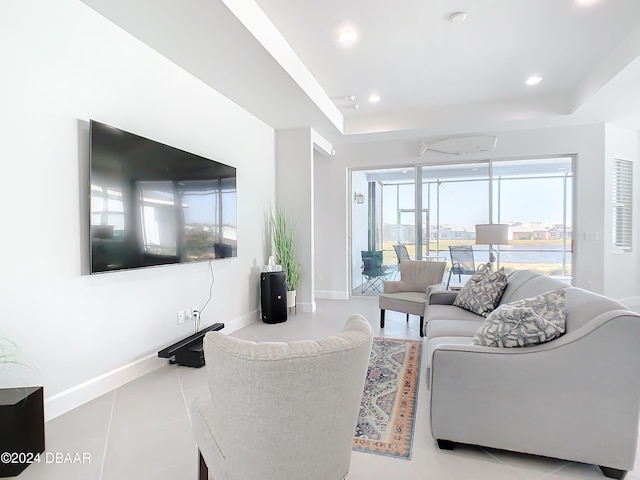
x,y
291,298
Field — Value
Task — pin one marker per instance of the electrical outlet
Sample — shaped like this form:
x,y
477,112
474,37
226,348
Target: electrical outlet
x,y
195,314
181,317
592,236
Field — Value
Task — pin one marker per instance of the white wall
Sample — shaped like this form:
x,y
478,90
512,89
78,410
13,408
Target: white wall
x,y
332,176
62,65
294,182
586,142
328,205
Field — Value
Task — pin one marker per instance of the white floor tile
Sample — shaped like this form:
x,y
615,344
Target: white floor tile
x,y
141,430
141,453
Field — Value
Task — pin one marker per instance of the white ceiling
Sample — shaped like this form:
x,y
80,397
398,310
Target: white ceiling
x,y
280,59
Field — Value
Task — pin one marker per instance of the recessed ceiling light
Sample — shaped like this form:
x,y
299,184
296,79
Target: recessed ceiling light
x,y
374,98
458,17
347,37
533,80
585,2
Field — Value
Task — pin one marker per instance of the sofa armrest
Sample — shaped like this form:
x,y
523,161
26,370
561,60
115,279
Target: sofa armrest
x,y
437,287
563,394
201,423
442,297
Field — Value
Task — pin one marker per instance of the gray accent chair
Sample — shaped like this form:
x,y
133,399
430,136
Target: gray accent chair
x,y
281,410
410,294
576,397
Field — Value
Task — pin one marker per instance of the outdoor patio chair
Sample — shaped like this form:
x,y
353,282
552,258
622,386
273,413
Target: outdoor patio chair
x,y
462,262
373,272
401,252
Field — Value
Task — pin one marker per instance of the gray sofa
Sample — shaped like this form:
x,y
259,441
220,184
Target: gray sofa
x,y
576,397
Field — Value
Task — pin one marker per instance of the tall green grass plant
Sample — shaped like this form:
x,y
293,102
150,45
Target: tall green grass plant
x,y
284,247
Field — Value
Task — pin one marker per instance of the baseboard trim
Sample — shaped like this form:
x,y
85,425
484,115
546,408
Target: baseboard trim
x,y
73,397
332,295
307,307
241,322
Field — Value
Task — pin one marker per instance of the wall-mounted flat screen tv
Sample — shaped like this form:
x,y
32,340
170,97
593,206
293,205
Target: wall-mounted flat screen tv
x,y
152,204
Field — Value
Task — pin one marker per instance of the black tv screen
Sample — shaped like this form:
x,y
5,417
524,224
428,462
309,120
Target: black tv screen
x,y
152,204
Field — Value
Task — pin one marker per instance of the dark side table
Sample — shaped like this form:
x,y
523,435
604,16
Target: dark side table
x,y
22,427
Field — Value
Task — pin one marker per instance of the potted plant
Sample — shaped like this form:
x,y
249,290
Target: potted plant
x,y
285,252
7,355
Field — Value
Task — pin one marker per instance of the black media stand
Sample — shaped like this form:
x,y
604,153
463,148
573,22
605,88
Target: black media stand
x,y
188,352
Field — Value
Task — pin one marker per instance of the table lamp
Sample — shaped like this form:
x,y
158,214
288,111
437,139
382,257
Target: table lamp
x,y
492,234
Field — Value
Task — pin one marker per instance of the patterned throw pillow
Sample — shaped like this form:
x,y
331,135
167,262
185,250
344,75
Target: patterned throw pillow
x,y
482,292
525,322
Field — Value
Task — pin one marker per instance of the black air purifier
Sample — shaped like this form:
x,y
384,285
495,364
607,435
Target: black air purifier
x,y
273,294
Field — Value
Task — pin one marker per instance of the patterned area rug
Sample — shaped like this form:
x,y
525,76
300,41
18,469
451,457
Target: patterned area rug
x,y
387,413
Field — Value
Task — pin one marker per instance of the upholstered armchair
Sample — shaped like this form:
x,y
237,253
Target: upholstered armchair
x,y
410,294
281,410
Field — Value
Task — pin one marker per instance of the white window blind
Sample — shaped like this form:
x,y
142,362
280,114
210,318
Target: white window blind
x,y
622,202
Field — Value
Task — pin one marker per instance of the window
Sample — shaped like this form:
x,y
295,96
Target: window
x,y
533,196
622,201
457,198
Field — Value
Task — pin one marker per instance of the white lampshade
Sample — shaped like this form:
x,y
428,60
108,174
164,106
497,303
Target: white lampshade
x,y
492,234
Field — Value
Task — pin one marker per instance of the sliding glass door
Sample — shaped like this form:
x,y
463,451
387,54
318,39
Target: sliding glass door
x,y
457,195
535,198
532,196
398,214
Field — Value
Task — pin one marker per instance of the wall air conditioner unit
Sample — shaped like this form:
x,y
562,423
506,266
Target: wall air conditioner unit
x,y
459,145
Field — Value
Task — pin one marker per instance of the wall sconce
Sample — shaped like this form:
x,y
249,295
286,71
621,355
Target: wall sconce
x,y
358,198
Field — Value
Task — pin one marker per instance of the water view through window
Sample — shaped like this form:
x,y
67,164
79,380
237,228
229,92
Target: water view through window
x,y
532,196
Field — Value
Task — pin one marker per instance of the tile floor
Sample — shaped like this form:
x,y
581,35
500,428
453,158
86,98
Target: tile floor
x,y
141,431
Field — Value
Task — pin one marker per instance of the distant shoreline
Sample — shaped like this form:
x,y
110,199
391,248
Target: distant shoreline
x,y
514,256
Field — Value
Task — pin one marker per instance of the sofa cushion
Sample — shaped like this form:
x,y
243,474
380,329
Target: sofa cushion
x,y
530,321
413,303
449,312
482,292
456,328
515,280
527,283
